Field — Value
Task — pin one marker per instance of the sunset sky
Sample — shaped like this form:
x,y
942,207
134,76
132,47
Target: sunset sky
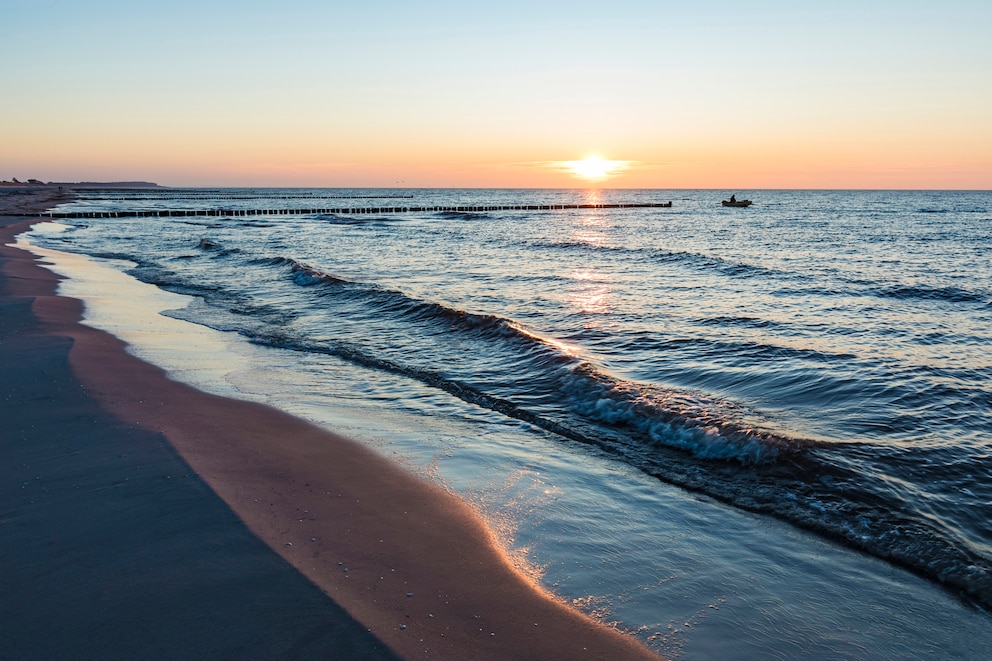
x,y
709,94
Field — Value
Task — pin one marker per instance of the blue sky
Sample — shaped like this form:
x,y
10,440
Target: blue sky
x,y
765,94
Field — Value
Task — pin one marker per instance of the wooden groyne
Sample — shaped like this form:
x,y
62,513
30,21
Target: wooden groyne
x,y
188,213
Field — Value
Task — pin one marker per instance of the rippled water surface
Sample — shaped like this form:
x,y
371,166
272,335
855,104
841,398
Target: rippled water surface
x,y
822,360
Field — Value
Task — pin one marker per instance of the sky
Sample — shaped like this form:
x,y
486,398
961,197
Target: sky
x,y
709,94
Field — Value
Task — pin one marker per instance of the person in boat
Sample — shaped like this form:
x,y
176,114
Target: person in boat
x,y
733,198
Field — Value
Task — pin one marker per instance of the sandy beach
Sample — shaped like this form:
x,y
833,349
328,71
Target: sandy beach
x,y
141,517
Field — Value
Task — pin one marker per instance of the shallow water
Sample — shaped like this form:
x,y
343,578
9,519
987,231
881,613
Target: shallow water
x,y
818,361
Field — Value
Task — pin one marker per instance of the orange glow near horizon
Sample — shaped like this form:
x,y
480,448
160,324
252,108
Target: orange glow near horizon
x,y
303,157
680,167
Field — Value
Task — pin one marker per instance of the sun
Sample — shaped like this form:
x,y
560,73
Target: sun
x,y
594,167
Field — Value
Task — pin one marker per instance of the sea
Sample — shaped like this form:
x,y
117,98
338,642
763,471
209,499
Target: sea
x,y
748,433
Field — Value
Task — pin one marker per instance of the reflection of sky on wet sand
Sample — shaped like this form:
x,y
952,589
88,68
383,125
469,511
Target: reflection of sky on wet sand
x,y
129,309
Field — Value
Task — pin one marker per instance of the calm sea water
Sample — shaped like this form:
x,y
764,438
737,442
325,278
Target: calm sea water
x,y
820,361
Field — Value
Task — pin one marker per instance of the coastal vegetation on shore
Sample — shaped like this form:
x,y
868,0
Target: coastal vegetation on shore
x,y
37,183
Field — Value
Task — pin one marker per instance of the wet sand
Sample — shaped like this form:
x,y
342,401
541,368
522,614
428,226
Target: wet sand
x,y
145,518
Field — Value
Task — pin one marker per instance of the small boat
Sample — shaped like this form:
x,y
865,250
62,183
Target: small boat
x,y
736,203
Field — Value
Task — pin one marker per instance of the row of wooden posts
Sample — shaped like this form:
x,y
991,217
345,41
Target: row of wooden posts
x,y
171,213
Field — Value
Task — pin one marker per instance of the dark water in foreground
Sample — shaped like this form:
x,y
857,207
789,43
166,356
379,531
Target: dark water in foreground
x,y
823,358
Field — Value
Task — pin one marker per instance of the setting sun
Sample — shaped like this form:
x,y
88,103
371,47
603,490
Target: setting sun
x,y
594,167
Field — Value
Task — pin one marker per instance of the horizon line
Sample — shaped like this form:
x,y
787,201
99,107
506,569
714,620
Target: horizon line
x,y
149,185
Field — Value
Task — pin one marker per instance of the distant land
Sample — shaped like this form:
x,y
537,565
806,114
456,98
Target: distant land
x,y
82,184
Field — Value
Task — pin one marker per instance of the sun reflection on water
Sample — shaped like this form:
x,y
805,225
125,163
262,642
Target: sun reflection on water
x,y
591,291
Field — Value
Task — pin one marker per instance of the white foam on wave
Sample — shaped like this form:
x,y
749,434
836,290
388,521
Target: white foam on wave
x,y
698,425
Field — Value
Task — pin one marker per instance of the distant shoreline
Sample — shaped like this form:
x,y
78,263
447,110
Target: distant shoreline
x,y
33,184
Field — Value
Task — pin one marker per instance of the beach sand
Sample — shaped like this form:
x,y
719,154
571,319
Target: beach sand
x,y
143,518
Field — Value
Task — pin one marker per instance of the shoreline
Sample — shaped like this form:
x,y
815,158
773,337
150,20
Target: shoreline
x,y
411,563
